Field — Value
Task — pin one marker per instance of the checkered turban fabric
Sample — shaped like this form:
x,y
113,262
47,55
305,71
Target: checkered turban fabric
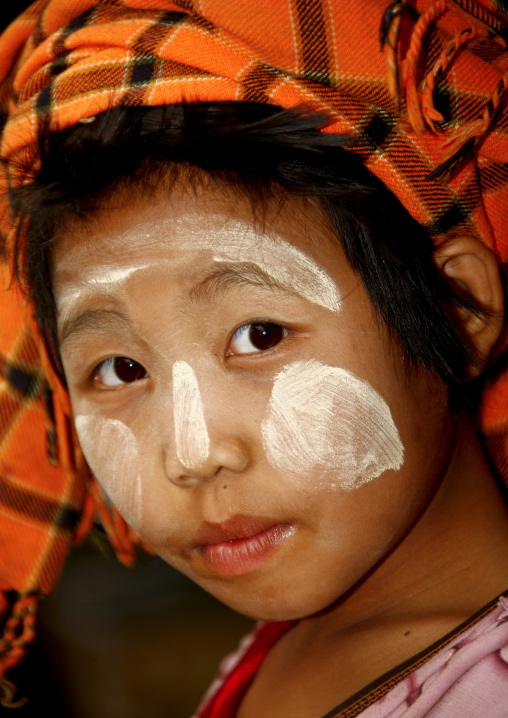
x,y
419,85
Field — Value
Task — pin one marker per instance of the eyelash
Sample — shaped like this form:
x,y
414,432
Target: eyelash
x,y
269,333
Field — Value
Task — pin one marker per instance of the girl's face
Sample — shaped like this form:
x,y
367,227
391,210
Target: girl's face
x,y
237,400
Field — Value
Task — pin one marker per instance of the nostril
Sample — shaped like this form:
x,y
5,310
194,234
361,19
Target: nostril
x,y
181,475
226,459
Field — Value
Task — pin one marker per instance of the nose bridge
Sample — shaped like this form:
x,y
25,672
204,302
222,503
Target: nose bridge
x,y
191,434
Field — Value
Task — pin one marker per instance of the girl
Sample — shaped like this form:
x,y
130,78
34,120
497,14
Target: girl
x,y
233,316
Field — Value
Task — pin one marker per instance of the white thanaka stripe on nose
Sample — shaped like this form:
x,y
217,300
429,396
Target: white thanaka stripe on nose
x,y
191,434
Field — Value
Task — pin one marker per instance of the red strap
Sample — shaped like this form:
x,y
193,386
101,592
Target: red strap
x,y
225,702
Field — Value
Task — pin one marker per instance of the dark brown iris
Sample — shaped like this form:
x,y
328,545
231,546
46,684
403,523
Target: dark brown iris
x,y
265,335
128,370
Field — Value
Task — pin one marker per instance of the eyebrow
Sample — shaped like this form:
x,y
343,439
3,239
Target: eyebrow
x,y
83,321
210,289
219,282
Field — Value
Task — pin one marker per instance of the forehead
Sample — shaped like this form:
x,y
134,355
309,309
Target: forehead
x,y
184,231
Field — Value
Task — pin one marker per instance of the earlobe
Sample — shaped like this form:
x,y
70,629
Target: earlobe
x,y
472,270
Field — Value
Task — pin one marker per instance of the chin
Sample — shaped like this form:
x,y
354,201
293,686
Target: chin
x,y
277,604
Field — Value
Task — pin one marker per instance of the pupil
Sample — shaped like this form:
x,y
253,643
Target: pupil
x,y
266,335
128,370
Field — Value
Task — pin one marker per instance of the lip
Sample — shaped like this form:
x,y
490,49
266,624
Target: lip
x,y
240,544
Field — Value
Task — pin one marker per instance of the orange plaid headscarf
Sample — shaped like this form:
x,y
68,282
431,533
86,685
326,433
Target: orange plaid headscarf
x,y
427,113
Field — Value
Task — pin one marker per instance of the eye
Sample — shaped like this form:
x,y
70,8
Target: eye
x,y
119,370
258,337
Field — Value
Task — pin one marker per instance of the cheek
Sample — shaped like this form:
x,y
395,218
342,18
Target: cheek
x,y
327,427
111,451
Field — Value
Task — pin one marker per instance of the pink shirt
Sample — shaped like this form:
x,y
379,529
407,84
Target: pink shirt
x,y
464,675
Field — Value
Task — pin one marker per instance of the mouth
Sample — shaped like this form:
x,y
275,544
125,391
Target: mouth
x,y
240,544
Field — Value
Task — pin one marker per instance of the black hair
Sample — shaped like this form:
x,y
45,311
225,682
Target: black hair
x,y
266,152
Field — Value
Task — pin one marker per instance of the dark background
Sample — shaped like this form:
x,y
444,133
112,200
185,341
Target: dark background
x,y
10,10
114,642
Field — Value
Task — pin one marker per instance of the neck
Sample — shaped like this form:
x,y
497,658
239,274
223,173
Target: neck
x,y
453,559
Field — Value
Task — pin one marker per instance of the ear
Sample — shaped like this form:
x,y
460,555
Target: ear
x,y
472,270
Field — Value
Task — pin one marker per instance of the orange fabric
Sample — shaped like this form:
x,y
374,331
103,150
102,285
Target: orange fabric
x,y
427,113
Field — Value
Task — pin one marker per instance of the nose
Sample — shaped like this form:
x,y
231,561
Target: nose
x,y
195,454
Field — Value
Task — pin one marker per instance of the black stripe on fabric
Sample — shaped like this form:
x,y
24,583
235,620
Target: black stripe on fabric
x,y
186,5
51,447
37,33
47,400
443,102
43,104
51,440
481,13
157,33
199,20
144,69
311,21
78,22
171,18
58,66
451,218
415,170
204,24
257,82
377,130
26,503
488,50
66,519
37,507
24,382
493,177
432,48
176,69
75,24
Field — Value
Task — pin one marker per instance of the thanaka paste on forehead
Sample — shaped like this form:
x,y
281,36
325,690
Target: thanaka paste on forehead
x,y
191,435
326,426
282,261
233,242
111,451
102,277
110,276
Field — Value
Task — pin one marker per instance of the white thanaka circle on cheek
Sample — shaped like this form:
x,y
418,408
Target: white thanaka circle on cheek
x,y
285,263
191,435
111,451
325,425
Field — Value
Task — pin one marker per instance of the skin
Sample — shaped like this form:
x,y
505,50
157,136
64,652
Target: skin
x,y
411,553
323,422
